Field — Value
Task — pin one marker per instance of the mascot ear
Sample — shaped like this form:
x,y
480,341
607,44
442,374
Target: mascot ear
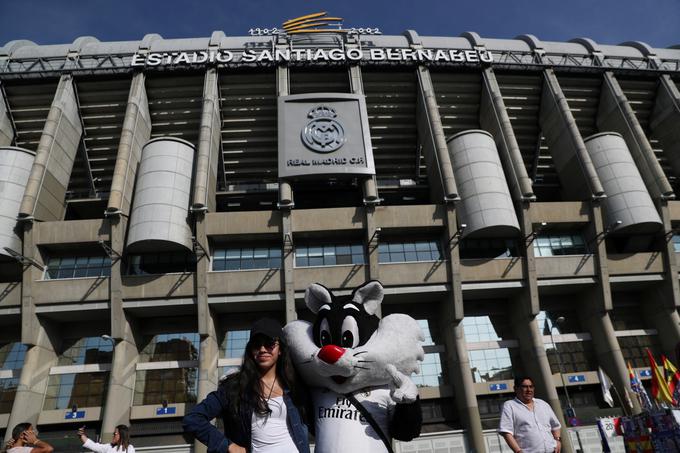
x,y
370,295
317,296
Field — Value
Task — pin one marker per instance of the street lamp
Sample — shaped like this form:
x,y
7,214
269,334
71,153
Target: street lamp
x,y
113,343
570,409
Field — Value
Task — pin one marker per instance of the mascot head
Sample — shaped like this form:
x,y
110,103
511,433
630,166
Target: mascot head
x,y
348,347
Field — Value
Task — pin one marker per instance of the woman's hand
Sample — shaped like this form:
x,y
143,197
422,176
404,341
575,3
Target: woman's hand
x,y
81,434
236,448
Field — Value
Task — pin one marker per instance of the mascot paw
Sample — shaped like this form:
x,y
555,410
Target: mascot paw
x,y
403,388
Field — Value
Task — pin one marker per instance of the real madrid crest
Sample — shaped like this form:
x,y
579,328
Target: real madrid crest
x,y
323,134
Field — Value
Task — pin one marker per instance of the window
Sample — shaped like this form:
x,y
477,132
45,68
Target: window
x,y
486,364
176,384
170,347
560,244
488,248
634,349
78,267
399,252
80,351
234,344
8,389
162,263
229,259
676,242
81,389
574,355
12,356
329,255
431,368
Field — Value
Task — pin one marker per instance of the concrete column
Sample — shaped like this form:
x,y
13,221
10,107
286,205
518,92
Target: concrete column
x,y
665,119
660,302
121,379
372,241
135,133
572,161
615,114
288,264
34,376
209,145
494,118
369,184
433,140
283,89
209,347
523,311
39,337
607,349
6,127
457,360
46,188
596,303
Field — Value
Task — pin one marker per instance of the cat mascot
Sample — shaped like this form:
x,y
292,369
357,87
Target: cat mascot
x,y
358,368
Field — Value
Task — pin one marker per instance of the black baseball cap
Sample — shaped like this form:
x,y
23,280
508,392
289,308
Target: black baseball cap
x,y
268,327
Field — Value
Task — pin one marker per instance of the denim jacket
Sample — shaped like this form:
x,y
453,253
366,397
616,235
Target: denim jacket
x,y
237,421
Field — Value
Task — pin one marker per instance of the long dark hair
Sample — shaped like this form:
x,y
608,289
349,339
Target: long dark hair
x,y
124,437
250,388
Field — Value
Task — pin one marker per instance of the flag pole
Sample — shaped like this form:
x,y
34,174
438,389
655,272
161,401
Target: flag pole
x,y
626,409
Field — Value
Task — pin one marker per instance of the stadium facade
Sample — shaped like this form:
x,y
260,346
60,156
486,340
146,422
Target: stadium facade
x,y
515,196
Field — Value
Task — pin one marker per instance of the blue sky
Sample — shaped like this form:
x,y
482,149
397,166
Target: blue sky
x,y
656,22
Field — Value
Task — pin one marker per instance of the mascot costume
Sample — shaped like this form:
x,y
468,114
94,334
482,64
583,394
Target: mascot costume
x,y
359,367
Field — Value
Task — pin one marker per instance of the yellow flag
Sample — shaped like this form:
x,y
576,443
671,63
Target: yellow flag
x,y
660,389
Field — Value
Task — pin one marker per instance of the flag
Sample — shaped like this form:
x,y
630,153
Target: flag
x,y
602,426
605,385
638,389
659,386
672,379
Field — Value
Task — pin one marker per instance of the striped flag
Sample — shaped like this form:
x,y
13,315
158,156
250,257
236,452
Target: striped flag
x,y
660,390
672,379
638,389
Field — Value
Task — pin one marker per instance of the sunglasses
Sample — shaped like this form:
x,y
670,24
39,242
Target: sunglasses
x,y
268,343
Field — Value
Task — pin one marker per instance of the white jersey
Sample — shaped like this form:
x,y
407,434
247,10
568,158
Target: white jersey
x,y
271,434
341,428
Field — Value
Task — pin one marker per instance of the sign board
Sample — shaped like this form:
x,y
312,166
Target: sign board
x,y
575,378
324,134
645,373
70,415
498,387
170,410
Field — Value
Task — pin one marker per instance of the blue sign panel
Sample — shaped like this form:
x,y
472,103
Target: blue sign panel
x,y
646,373
166,411
497,387
70,415
577,378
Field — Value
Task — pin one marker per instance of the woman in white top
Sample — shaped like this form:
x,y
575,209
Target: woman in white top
x,y
120,442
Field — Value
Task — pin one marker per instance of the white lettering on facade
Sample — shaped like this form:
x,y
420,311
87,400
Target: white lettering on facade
x,y
313,55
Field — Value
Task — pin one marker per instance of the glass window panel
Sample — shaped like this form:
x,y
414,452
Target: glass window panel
x,y
316,260
357,249
275,252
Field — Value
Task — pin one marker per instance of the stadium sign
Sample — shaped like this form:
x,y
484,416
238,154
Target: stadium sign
x,y
288,55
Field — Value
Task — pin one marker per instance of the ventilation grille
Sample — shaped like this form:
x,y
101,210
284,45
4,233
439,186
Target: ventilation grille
x,y
175,105
458,97
522,97
249,131
29,106
102,109
641,95
391,105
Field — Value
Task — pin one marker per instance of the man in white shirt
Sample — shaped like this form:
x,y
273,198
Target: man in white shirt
x,y
528,424
25,440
